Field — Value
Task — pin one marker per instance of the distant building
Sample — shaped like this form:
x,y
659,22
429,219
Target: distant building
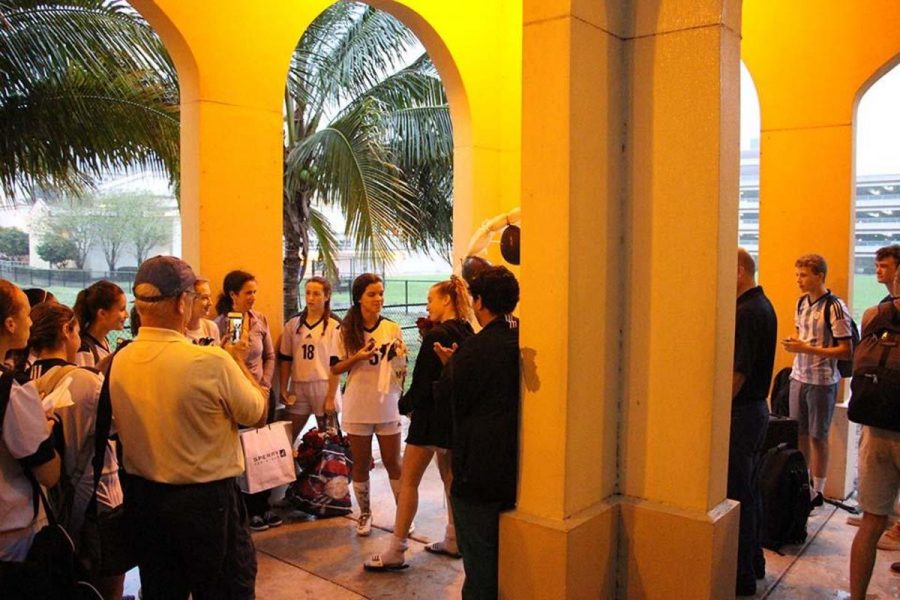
x,y
877,212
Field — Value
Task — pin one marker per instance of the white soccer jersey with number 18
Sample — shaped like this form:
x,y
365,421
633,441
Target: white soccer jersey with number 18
x,y
363,402
310,347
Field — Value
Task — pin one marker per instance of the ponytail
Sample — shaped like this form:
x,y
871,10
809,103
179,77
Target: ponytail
x,y
233,282
49,319
101,295
455,288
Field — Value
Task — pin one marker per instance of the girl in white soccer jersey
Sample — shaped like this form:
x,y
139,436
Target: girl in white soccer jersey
x,y
307,344
372,352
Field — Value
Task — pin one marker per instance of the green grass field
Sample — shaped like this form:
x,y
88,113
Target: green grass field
x,y
866,292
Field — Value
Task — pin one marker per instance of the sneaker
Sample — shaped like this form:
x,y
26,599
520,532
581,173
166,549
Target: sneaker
x,y
817,500
271,519
364,524
257,523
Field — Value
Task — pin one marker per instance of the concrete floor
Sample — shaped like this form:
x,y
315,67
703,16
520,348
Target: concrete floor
x,y
323,559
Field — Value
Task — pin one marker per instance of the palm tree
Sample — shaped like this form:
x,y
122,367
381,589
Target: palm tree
x,y
86,87
367,131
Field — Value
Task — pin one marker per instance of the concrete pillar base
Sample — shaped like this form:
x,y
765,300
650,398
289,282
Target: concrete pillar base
x,y
666,552
621,548
548,559
843,449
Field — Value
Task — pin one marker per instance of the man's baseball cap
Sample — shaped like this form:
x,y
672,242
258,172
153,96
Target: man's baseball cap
x,y
170,275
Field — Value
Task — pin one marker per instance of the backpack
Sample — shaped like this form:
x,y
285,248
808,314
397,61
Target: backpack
x,y
784,496
844,365
875,388
781,390
62,495
50,570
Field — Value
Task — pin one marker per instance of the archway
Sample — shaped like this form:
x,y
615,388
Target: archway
x,y
748,204
876,168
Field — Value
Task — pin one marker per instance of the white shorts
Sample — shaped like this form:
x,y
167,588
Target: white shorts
x,y
311,398
389,428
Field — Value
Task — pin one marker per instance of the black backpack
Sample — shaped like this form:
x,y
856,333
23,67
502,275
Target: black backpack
x,y
844,366
784,496
875,387
781,390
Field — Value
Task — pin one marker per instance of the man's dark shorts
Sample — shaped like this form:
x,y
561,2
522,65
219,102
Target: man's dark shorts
x,y
193,539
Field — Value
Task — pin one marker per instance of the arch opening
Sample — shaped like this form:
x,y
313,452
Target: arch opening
x,y
876,194
372,123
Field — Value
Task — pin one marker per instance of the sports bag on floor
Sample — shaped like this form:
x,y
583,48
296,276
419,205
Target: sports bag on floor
x,y
323,486
784,495
875,388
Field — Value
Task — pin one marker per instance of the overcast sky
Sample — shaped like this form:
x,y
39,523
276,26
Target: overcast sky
x,y
877,123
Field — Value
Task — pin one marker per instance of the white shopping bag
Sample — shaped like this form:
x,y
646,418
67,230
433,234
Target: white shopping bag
x,y
268,457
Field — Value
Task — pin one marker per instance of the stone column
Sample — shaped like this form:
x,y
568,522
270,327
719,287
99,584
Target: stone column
x,y
561,541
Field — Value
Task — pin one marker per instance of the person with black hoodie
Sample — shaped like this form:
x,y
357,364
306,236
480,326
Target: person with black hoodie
x,y
430,430
481,378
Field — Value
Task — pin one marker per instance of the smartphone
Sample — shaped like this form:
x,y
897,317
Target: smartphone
x,y
235,326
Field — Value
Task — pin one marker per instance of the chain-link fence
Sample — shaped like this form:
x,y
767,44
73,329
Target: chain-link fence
x,y
404,298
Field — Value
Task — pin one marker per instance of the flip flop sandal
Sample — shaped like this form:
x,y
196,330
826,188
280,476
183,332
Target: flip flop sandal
x,y
439,548
376,564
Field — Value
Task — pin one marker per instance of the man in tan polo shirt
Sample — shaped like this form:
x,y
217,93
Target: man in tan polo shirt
x,y
177,408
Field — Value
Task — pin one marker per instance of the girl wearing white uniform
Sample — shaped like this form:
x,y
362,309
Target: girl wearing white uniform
x,y
101,308
25,442
55,341
372,352
308,342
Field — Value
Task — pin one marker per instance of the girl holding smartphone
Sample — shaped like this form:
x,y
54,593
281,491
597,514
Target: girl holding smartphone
x,y
372,352
238,296
307,344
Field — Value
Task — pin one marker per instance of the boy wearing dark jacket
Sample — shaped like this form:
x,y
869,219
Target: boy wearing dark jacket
x,y
482,380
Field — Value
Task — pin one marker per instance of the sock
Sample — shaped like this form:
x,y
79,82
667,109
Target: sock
x,y
395,487
819,484
361,491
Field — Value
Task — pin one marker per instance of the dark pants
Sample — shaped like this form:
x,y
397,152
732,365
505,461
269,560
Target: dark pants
x,y
748,431
193,540
478,533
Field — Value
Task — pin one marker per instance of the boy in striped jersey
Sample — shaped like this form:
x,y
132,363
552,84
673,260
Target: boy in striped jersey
x,y
823,337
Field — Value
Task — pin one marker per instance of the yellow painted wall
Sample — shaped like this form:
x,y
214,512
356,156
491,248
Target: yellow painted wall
x,y
232,59
810,62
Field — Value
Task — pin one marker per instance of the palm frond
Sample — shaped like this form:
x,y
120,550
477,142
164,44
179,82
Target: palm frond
x,y
421,134
65,132
354,171
327,241
41,40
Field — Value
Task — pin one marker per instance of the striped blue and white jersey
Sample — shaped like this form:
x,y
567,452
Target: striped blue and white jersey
x,y
809,320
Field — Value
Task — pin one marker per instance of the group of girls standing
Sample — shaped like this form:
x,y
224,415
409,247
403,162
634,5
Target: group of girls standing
x,y
56,337
316,348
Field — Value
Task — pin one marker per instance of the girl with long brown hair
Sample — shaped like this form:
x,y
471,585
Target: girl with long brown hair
x,y
307,343
372,352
